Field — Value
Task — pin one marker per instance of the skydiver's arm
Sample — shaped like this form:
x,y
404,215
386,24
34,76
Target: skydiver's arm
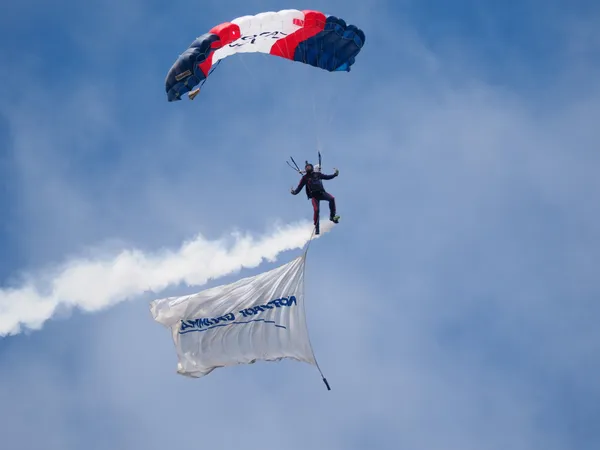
x,y
300,186
329,177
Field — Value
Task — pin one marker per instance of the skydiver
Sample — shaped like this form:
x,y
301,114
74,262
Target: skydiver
x,y
315,191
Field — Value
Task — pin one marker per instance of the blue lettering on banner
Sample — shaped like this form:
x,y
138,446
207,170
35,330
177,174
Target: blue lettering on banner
x,y
278,303
203,324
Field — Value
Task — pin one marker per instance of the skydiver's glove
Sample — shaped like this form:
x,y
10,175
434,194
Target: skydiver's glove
x,y
292,191
337,172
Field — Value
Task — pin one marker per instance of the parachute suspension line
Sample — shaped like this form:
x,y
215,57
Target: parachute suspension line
x,y
215,67
326,121
295,166
252,74
192,94
316,122
318,128
209,74
312,235
323,122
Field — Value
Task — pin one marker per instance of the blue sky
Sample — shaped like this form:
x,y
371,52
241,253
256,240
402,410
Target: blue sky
x,y
454,307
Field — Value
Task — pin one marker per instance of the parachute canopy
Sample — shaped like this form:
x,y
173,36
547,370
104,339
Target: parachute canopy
x,y
309,37
256,318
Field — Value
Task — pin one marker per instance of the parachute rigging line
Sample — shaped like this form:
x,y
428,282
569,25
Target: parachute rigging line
x,y
312,235
296,168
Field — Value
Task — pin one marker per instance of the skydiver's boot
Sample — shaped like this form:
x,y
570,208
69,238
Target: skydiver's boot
x,y
334,219
317,230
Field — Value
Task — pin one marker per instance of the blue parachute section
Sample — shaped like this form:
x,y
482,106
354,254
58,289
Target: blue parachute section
x,y
334,49
186,73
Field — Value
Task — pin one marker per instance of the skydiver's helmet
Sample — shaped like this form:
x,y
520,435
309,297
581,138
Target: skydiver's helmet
x,y
309,168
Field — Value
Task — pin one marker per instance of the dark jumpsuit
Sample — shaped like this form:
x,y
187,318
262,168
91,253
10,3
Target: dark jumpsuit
x,y
316,192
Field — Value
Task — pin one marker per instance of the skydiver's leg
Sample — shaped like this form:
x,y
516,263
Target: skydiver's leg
x,y
331,199
316,212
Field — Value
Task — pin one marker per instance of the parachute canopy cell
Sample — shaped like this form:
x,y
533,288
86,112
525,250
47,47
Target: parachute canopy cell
x,y
309,37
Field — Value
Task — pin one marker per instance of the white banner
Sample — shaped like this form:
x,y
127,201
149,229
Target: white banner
x,y
256,318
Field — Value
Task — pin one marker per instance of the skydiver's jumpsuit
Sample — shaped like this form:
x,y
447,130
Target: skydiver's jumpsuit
x,y
316,192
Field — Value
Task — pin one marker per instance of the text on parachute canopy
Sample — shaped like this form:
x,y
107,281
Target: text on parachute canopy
x,y
251,38
201,323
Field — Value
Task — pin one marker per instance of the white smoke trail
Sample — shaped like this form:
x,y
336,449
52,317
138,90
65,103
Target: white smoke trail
x,y
95,284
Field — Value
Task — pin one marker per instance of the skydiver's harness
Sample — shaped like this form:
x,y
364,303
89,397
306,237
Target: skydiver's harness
x,y
314,184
